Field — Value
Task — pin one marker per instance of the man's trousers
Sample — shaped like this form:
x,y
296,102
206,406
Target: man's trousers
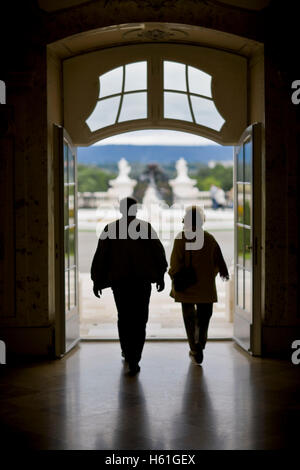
x,y
132,302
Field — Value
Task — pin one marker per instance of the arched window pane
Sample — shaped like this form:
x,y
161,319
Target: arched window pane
x,y
176,106
174,76
206,113
199,82
136,76
111,82
134,107
104,114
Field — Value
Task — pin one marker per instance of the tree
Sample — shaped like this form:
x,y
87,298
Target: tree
x,y
93,179
219,176
206,183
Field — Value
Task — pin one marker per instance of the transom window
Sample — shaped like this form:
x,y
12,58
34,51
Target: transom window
x,y
122,96
186,96
155,86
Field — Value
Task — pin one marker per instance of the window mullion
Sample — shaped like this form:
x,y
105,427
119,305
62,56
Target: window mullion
x,y
125,93
170,90
155,89
188,94
122,95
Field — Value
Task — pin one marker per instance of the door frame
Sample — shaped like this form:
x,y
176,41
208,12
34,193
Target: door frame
x,y
60,135
256,333
255,130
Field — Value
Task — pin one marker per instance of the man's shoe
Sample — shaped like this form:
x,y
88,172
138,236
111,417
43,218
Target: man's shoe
x,y
199,357
134,368
124,358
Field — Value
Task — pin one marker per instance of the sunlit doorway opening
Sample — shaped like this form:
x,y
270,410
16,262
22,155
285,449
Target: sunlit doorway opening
x,y
154,159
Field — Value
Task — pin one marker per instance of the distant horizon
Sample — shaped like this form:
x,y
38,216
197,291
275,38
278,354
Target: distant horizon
x,y
156,137
164,154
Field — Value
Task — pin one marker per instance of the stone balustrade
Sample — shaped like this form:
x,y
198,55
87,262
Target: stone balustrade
x,y
94,200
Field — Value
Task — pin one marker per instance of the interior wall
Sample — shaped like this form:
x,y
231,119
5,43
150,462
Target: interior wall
x,y
282,317
28,327
54,116
256,90
26,93
7,226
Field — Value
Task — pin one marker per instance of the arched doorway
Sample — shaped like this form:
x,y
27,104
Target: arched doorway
x,y
210,98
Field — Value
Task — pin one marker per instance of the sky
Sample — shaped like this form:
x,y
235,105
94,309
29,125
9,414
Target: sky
x,y
156,137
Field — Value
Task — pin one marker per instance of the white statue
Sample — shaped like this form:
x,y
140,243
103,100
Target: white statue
x,y
124,169
183,186
122,186
182,170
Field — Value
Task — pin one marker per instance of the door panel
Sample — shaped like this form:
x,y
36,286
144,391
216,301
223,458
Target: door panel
x,y
247,224
66,232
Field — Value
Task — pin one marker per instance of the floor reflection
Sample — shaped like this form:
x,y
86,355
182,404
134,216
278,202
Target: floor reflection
x,y
86,401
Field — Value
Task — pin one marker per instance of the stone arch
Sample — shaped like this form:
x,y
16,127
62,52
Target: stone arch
x,y
97,52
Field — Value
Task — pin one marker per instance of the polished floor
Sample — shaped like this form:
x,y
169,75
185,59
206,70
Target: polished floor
x,y
88,401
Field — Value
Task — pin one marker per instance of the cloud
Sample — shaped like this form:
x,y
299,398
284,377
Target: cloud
x,y
156,137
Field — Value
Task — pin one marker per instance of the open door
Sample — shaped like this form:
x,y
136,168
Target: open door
x,y
247,231
66,236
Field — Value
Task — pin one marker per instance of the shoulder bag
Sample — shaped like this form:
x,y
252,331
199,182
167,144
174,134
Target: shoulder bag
x,y
186,277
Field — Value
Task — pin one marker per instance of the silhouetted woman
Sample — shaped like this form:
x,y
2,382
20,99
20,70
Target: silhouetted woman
x,y
199,249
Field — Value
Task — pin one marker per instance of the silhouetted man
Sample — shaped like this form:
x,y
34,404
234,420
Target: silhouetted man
x,y
129,257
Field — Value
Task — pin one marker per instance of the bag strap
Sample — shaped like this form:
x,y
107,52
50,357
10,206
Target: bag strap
x,y
190,257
